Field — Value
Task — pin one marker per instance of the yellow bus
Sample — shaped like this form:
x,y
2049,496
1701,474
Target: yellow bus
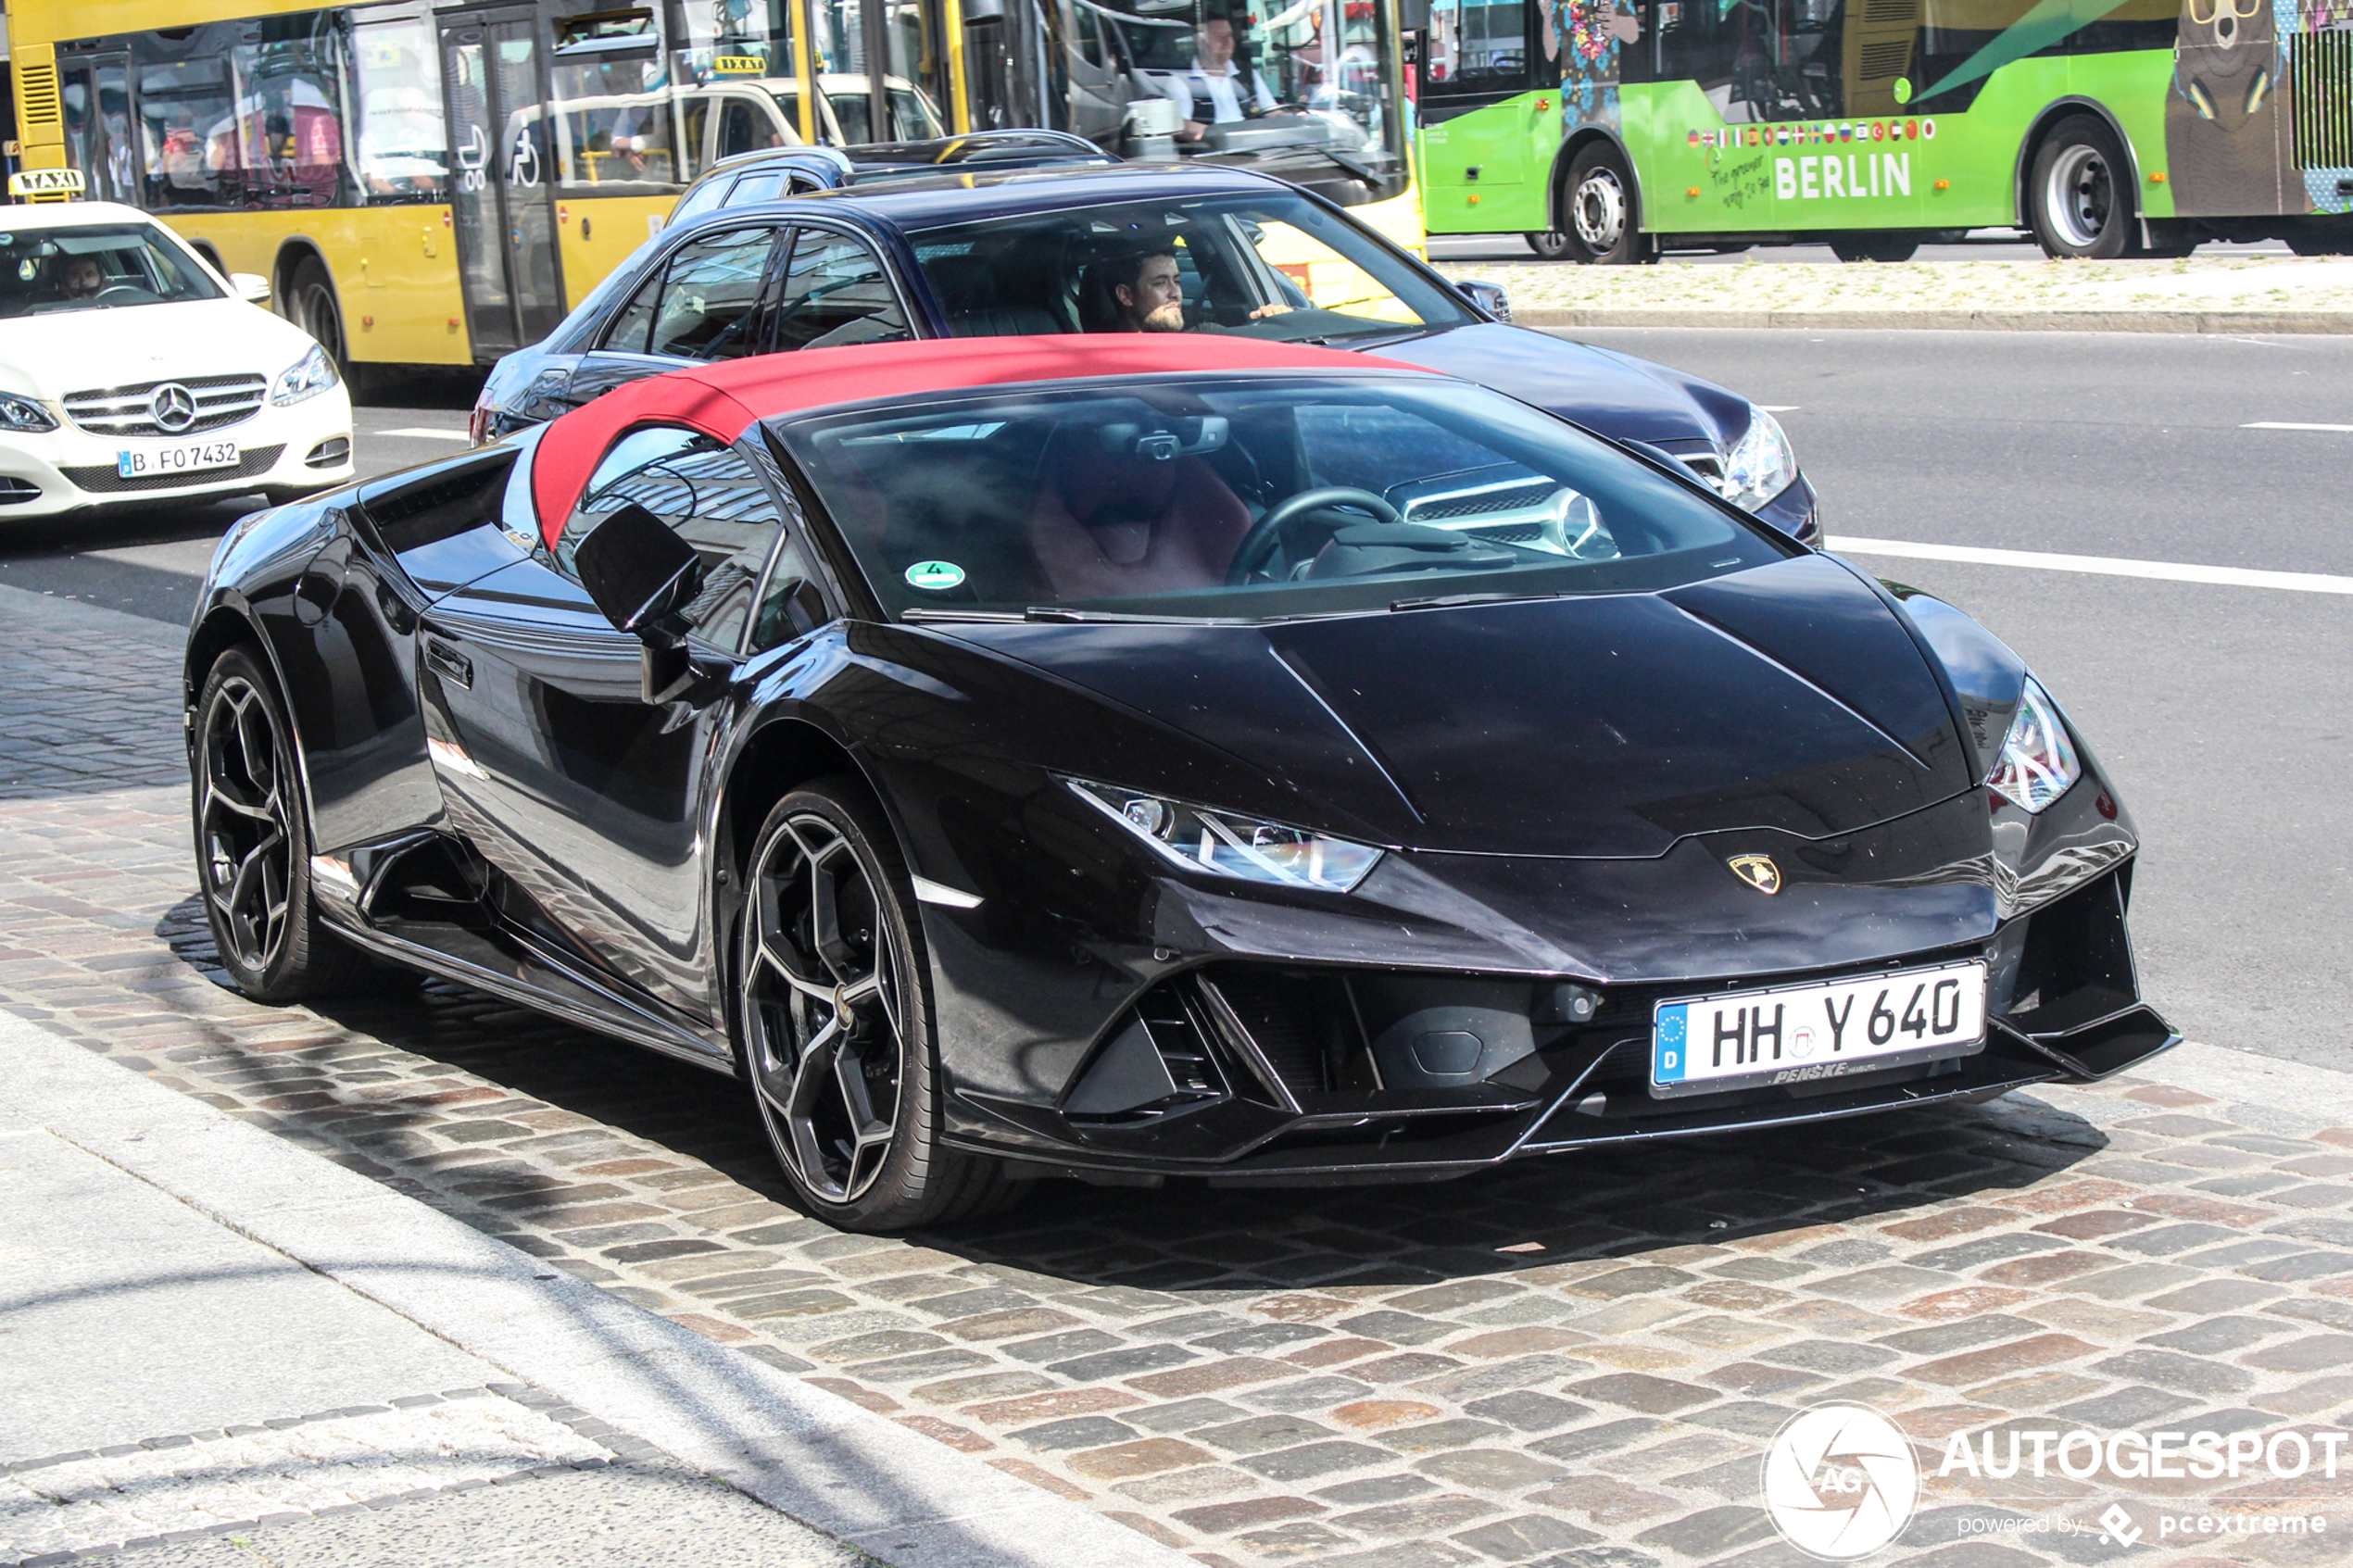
x,y
433,185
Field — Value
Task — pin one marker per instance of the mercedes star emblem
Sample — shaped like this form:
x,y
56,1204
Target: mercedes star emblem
x,y
172,407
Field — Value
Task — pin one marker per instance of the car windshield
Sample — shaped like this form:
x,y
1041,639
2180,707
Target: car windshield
x,y
1252,498
1270,264
94,268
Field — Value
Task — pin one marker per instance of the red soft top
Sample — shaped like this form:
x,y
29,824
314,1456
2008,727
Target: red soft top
x,y
723,400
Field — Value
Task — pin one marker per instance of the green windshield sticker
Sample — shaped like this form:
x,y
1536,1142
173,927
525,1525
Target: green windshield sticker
x,y
936,576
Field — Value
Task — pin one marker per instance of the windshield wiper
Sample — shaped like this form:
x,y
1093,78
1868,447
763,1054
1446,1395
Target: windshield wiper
x,y
1064,613
924,614
1446,601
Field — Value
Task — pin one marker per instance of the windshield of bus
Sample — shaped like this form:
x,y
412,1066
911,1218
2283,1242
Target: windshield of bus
x,y
1275,265
97,266
1223,63
1228,497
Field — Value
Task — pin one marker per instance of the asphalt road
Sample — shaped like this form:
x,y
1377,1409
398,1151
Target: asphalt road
x,y
2222,711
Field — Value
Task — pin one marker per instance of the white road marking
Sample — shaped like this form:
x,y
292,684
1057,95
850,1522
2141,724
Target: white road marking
x,y
1780,407
426,432
2103,565
2289,424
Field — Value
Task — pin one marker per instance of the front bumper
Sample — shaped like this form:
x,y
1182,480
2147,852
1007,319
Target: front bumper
x,y
1257,1074
68,470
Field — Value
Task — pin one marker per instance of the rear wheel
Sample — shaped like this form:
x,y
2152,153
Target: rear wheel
x,y
2079,194
836,1022
312,305
1874,247
1598,208
253,842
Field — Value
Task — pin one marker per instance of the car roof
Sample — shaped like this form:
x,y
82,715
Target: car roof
x,y
925,202
725,399
35,215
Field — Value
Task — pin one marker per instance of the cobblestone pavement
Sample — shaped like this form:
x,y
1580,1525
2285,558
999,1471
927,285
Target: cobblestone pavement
x,y
1570,1362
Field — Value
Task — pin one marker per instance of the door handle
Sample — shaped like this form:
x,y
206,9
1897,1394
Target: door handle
x,y
449,664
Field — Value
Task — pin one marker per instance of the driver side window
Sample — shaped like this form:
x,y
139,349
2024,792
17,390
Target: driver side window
x,y
711,496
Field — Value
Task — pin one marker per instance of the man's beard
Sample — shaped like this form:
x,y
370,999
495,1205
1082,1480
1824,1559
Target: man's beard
x,y
1169,318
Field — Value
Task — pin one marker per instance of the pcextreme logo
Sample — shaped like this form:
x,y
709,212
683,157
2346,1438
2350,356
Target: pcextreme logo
x,y
1840,1482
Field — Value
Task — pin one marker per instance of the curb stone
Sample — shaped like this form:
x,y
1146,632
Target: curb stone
x,y
817,1458
2232,321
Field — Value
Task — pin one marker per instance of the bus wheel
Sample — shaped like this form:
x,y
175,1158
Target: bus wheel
x,y
311,304
1874,247
1550,243
1600,209
2079,197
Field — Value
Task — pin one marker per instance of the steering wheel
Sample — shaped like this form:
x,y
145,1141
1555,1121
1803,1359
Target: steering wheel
x,y
121,294
1272,531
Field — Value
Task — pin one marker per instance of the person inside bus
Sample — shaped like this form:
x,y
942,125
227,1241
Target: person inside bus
x,y
1217,91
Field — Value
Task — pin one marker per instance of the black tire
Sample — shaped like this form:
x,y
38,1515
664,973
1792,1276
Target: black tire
x,y
253,842
312,305
1875,247
2316,239
1550,243
862,1148
2080,193
1600,209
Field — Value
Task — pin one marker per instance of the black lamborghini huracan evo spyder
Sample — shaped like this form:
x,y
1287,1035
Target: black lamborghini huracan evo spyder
x,y
1150,757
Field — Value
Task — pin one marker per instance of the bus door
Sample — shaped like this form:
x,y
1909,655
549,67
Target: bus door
x,y
503,192
1488,134
99,142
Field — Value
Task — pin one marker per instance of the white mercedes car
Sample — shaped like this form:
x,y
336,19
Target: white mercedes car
x,y
131,372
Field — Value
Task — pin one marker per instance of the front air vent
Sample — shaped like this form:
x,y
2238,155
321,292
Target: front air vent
x,y
1156,1063
17,492
211,403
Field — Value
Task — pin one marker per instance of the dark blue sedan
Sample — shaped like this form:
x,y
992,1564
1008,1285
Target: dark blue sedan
x,y
1079,251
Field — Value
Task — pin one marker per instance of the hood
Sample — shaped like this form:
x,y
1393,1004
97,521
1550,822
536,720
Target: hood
x,y
1786,697
71,350
1624,398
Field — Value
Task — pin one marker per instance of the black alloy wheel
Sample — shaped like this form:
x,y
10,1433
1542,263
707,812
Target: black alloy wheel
x,y
252,842
1598,217
2079,193
834,1015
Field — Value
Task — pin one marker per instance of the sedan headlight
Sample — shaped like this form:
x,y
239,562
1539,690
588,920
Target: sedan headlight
x,y
24,413
1224,845
2038,762
305,377
1760,465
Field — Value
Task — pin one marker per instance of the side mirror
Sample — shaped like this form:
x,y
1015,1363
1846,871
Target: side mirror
x,y
1489,297
252,287
640,574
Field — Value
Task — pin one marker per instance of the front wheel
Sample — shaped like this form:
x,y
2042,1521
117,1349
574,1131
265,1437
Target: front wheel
x,y
2079,196
1875,247
1551,244
312,304
1600,228
834,1014
253,842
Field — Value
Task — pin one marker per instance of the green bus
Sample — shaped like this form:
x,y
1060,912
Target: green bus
x,y
1607,130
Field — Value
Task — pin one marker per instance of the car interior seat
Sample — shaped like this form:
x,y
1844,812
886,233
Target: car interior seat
x,y
1121,510
968,295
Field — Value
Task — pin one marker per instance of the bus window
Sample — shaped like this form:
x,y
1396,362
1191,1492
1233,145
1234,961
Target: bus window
x,y
98,141
402,148
187,113
287,146
613,106
1756,60
1477,48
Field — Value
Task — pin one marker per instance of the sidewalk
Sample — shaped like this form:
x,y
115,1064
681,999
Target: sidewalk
x,y
2202,294
217,1349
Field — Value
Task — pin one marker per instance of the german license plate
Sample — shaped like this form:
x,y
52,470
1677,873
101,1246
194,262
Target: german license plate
x,y
187,457
1797,1033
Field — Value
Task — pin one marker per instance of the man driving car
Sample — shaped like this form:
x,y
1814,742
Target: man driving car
x,y
82,278
1147,290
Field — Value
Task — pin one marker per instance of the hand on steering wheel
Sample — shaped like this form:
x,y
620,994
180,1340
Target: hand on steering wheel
x,y
1272,531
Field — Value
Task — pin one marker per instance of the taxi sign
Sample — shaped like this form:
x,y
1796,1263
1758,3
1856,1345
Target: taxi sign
x,y
45,182
739,65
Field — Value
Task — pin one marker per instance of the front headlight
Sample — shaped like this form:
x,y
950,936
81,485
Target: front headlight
x,y
2038,762
1224,844
1760,465
19,412
306,377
